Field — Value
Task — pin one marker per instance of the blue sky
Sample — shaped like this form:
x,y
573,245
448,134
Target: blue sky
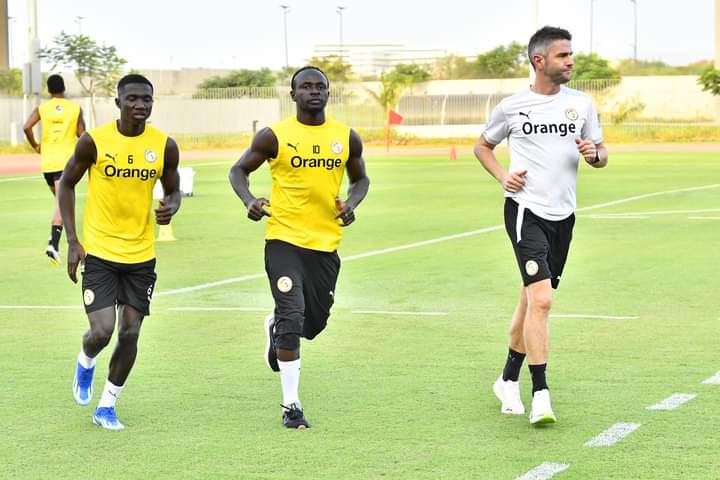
x,y
240,34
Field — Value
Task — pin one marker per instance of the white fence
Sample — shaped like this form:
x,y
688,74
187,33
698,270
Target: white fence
x,y
442,108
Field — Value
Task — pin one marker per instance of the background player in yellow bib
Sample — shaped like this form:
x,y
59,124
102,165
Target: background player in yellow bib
x,y
124,159
307,154
62,123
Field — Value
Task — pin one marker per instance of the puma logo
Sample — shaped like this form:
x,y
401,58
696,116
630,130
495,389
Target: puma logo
x,y
526,115
111,157
294,147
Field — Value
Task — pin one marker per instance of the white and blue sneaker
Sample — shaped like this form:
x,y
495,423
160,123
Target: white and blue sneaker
x,y
106,418
83,384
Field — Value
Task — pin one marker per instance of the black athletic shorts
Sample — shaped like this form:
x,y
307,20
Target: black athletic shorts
x,y
107,283
303,286
52,177
541,246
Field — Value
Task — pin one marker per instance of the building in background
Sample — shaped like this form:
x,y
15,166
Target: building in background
x,y
371,59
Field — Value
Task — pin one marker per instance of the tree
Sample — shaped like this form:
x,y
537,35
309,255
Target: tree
x,y
11,83
241,78
710,80
593,67
97,67
395,81
505,61
333,66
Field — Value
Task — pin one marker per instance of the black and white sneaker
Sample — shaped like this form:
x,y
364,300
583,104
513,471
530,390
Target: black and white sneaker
x,y
293,417
270,352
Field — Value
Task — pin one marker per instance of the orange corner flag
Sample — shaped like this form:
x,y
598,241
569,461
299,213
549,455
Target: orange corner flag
x,y
394,118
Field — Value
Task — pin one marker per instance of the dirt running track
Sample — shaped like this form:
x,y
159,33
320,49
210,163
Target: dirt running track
x,y
30,163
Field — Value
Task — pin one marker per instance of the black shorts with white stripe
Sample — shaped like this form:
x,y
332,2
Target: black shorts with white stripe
x,y
541,246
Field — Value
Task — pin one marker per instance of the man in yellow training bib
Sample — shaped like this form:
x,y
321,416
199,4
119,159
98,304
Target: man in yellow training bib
x,y
124,159
308,154
62,123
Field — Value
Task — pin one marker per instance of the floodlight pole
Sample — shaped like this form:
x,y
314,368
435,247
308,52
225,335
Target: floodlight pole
x,y
285,12
79,20
634,2
592,24
339,10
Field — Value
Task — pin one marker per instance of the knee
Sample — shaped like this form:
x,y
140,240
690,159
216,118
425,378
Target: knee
x,y
128,335
541,302
101,334
287,341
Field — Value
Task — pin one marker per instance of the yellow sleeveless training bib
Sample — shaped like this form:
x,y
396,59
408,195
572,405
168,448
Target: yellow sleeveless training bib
x,y
306,178
119,222
59,119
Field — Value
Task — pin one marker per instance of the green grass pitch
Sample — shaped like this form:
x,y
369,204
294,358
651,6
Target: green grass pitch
x,y
388,396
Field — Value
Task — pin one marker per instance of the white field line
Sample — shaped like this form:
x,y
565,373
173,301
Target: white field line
x,y
612,435
657,212
544,471
222,309
646,195
39,307
17,179
673,401
619,217
426,242
382,312
595,317
703,218
714,380
207,164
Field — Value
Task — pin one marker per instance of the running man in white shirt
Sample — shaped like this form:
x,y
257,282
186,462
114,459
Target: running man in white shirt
x,y
548,128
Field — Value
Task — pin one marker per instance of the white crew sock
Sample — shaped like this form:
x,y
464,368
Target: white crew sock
x,y
290,380
110,395
84,360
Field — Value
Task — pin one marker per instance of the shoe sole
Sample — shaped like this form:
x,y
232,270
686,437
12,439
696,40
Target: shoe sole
x,y
99,424
53,261
502,410
268,341
77,399
544,420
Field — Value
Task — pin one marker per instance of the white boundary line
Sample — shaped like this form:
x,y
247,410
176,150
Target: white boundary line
x,y
703,218
544,471
619,217
596,317
673,401
381,312
221,309
612,435
39,307
428,242
714,380
658,212
17,179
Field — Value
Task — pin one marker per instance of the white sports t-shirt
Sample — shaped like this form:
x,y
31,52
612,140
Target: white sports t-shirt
x,y
541,132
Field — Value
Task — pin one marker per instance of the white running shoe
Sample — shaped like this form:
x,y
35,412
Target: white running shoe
x,y
53,255
508,392
541,410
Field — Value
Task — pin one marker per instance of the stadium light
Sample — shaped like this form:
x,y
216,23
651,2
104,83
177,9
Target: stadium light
x,y
79,20
339,10
285,12
634,2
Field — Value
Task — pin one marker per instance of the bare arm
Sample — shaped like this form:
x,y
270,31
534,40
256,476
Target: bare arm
x,y
264,146
485,152
32,120
83,158
359,181
80,124
596,155
170,203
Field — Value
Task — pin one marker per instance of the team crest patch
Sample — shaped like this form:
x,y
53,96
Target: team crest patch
x,y
571,114
150,155
284,284
58,108
531,267
336,147
88,296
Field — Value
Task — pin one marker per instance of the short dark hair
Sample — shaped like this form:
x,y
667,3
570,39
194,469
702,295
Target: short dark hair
x,y
134,78
55,84
541,40
308,67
